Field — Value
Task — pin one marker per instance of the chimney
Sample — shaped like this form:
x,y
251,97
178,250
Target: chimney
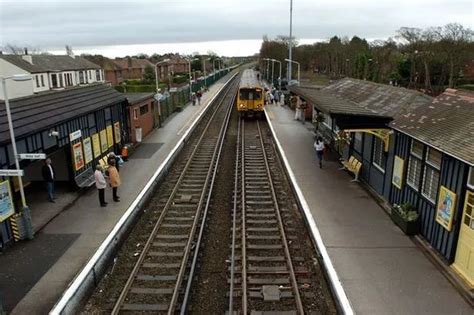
x,y
69,52
26,57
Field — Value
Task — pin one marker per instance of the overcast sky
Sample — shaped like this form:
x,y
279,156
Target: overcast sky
x,y
89,25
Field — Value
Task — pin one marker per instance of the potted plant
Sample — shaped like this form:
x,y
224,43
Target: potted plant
x,y
406,217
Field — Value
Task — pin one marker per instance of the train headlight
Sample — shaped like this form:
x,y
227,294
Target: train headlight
x,y
242,105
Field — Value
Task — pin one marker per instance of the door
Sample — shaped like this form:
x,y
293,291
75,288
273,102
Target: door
x,y
464,261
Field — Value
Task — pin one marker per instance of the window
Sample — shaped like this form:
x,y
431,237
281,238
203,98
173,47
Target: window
x,y
430,183
143,109
37,81
68,78
97,75
81,77
433,157
414,172
61,84
135,113
358,141
470,180
417,148
327,120
378,157
90,75
42,80
54,80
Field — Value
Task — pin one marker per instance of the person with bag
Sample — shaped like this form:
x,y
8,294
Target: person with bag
x,y
100,184
118,160
319,147
114,179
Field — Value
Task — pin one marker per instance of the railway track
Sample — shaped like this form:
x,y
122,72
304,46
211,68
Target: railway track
x,y
161,278
263,276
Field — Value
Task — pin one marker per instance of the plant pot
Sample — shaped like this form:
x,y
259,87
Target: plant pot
x,y
408,227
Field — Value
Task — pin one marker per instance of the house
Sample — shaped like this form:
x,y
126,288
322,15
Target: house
x,y
113,73
75,127
414,149
49,72
132,66
141,110
175,64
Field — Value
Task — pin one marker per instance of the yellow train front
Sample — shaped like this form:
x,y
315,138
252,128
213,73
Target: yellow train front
x,y
251,95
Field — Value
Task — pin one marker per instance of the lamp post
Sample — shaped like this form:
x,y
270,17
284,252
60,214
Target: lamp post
x,y
290,43
156,72
204,65
279,78
189,60
214,66
25,210
289,67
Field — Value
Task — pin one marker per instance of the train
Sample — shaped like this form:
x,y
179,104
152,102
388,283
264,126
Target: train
x,y
251,94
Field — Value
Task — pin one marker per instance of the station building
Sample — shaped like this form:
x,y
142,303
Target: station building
x,y
142,115
75,127
413,149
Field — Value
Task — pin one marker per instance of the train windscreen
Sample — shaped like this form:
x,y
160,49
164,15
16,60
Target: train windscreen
x,y
250,94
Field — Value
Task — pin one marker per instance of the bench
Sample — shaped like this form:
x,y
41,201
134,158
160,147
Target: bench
x,y
353,165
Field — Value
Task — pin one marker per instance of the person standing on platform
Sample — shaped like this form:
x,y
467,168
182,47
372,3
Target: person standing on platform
x,y
193,98
49,175
113,156
199,95
319,147
100,184
114,180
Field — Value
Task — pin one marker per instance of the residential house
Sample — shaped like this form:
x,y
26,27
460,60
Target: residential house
x,y
114,74
49,72
175,64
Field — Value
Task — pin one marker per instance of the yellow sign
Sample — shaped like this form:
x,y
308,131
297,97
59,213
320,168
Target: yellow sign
x,y
77,156
397,176
117,132
445,208
96,145
6,204
103,141
87,146
110,136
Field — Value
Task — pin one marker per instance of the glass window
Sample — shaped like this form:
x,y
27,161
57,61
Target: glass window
x,y
42,80
135,113
358,141
417,148
430,183
327,120
414,172
143,109
54,81
378,157
433,157
90,75
61,84
37,81
97,75
470,180
81,77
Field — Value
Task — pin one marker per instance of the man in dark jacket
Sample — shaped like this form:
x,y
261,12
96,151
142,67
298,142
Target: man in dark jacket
x,y
48,176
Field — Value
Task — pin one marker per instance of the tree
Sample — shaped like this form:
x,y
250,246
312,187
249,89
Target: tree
x,y
149,74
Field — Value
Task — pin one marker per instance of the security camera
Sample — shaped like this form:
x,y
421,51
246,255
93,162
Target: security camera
x,y
53,133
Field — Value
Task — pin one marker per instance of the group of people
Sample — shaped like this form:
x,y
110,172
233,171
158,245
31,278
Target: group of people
x,y
196,97
113,176
273,96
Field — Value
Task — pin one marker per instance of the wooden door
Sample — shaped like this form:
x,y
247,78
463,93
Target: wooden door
x,y
464,261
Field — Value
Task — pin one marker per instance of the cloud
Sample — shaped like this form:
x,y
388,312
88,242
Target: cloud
x,y
54,23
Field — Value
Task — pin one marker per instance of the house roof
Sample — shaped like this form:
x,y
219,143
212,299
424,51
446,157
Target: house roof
x,y
45,63
446,123
329,103
384,99
144,62
137,97
35,113
104,62
127,63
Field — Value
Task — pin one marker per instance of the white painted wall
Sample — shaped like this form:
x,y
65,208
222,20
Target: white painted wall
x,y
14,89
43,85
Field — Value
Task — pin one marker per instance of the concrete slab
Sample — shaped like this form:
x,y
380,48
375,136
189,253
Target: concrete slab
x,y
381,269
93,223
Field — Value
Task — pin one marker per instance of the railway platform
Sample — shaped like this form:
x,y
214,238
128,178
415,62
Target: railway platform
x,y
35,273
381,270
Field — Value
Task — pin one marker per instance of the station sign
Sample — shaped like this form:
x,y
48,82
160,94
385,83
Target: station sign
x,y
75,135
11,173
32,156
173,90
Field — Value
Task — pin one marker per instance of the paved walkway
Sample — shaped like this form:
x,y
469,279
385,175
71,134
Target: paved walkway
x,y
381,269
34,274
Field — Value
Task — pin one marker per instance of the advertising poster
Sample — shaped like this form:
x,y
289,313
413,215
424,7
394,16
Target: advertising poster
x,y
87,150
6,204
77,156
110,136
445,208
397,177
96,145
117,132
103,141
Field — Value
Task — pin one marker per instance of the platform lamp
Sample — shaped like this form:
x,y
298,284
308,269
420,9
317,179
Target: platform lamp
x,y
279,78
204,65
189,60
25,209
156,72
289,67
